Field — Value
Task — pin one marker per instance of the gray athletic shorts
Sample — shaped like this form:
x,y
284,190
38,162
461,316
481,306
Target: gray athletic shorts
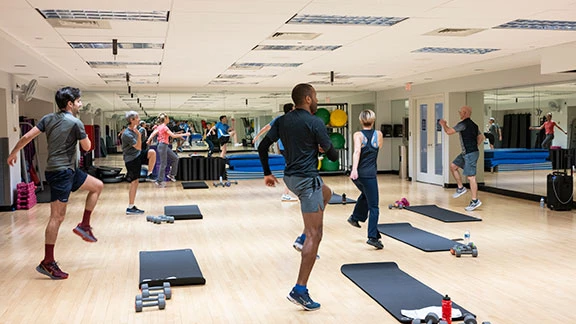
x,y
308,190
467,162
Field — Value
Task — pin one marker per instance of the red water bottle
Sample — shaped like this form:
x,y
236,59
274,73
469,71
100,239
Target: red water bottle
x,y
447,309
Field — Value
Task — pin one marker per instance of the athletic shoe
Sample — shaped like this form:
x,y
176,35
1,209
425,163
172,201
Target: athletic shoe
x,y
375,243
171,177
286,197
51,270
353,222
150,178
473,205
238,144
299,243
303,300
134,211
85,233
160,184
459,192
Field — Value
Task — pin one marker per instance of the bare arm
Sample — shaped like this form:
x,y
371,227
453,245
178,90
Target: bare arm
x,y
356,155
154,133
85,144
536,128
479,139
560,128
262,131
380,139
24,140
449,130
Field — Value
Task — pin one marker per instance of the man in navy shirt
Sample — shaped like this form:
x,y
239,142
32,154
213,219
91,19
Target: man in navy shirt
x,y
470,139
303,135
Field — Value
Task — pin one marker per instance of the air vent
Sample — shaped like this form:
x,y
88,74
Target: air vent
x,y
80,24
459,32
294,36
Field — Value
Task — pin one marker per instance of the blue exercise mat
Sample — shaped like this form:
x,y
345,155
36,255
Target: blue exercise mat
x,y
394,289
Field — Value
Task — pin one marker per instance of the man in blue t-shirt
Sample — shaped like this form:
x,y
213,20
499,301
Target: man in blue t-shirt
x,y
470,139
224,131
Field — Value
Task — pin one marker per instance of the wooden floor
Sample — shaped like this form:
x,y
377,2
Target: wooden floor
x,y
525,271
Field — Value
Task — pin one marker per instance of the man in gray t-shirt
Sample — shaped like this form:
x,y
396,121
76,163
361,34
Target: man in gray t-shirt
x,y
63,132
134,157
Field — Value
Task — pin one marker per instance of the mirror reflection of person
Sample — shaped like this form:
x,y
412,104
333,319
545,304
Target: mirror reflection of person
x,y
494,133
548,126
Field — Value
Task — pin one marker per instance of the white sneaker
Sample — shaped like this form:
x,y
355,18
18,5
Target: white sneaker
x,y
286,197
238,144
171,177
473,205
459,192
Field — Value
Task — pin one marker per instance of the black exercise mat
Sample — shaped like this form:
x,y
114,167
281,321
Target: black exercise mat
x,y
179,267
195,185
337,199
442,214
420,239
183,212
393,288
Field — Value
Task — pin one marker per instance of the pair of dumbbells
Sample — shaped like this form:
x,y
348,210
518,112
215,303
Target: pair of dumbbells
x,y
460,249
431,318
153,296
471,319
225,183
160,219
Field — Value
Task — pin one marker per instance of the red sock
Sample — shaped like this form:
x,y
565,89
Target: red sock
x,y
86,218
48,253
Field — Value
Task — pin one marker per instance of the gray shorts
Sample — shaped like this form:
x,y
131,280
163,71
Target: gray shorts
x,y
308,190
467,162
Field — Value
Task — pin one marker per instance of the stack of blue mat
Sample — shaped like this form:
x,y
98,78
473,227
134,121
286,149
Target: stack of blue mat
x,y
517,159
248,166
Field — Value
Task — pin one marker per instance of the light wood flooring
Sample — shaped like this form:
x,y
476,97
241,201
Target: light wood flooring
x,y
525,271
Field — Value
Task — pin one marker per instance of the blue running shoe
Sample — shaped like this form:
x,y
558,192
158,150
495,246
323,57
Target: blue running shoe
x,y
299,243
303,300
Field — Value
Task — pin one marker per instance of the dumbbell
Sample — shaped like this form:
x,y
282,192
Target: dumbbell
x,y
469,319
142,302
217,184
229,183
153,219
167,219
431,318
164,290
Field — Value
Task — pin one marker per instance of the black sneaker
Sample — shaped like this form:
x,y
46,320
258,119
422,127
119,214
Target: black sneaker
x,y
134,211
150,178
353,222
375,243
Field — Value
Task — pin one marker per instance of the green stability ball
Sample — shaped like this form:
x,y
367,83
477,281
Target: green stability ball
x,y
337,140
328,165
323,114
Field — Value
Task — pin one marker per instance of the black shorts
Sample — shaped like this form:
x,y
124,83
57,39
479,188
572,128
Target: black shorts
x,y
490,138
63,182
224,139
134,167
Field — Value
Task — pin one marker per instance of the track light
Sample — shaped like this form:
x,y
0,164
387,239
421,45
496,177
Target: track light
x,y
114,47
127,77
331,77
137,100
129,89
131,95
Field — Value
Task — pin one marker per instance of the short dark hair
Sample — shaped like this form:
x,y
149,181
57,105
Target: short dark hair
x,y
66,94
222,117
300,92
288,107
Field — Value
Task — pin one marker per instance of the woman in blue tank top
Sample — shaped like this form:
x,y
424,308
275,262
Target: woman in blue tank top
x,y
367,142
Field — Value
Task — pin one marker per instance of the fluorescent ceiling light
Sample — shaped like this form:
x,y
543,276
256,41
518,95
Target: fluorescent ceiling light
x,y
114,64
104,15
257,66
345,20
120,45
448,50
296,47
539,24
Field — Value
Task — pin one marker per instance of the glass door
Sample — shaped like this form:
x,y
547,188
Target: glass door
x,y
429,140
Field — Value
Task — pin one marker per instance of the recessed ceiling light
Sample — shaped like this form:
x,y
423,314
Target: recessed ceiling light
x,y
94,45
20,65
478,70
539,24
345,20
38,38
42,77
104,15
449,50
296,47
